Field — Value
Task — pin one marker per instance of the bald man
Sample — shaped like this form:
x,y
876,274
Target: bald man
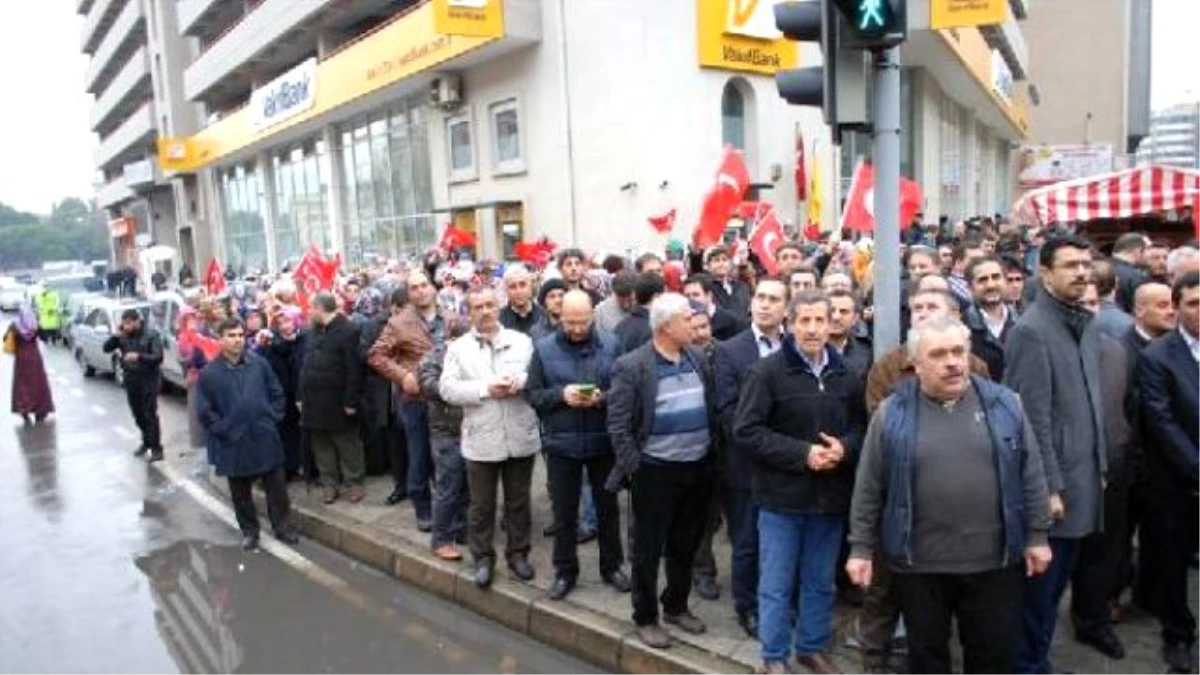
x,y
569,379
408,337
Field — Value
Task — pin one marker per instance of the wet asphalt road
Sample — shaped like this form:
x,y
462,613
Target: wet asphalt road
x,y
109,565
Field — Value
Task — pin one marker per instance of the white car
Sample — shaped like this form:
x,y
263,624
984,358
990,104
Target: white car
x,y
103,315
12,294
164,317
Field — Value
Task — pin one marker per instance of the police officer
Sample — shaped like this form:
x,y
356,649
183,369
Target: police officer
x,y
141,352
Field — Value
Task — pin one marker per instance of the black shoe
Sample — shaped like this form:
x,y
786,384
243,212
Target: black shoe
x,y
1178,656
424,524
550,530
706,587
749,623
483,574
399,494
141,450
156,456
583,536
1105,642
289,538
560,588
521,569
249,542
619,581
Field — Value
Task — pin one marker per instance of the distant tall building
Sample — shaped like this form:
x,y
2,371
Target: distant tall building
x,y
1174,137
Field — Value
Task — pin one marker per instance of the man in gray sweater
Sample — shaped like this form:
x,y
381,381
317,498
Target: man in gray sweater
x,y
950,490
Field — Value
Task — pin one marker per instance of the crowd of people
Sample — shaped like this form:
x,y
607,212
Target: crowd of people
x,y
1038,429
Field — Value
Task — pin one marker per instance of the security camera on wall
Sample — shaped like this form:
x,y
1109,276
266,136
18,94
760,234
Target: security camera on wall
x,y
446,92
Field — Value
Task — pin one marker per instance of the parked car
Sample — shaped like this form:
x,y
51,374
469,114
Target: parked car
x,y
78,306
12,294
164,317
88,336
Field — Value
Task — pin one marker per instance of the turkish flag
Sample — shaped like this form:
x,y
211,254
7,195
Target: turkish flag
x,y
190,339
752,211
313,275
859,214
732,180
800,177
767,238
538,253
455,238
664,223
214,278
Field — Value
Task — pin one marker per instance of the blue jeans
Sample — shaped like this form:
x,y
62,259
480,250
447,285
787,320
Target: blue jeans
x,y
587,520
414,416
741,517
1039,610
450,497
793,549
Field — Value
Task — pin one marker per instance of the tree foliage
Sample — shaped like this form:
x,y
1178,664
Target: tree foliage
x,y
72,231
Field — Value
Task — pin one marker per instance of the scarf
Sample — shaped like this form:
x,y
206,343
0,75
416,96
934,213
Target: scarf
x,y
27,324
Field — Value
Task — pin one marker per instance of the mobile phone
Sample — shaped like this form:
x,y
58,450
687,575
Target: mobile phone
x,y
587,390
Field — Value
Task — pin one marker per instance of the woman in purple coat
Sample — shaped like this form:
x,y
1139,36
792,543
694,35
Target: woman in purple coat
x,y
30,390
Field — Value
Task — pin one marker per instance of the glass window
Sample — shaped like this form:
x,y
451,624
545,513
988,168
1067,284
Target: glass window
x,y
462,153
506,135
245,237
950,139
733,117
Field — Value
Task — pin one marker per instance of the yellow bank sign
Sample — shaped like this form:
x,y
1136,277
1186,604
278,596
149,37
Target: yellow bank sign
x,y
472,18
966,13
741,35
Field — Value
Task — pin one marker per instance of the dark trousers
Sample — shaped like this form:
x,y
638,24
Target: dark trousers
x,y
414,415
1167,548
879,615
339,456
1039,608
516,475
741,517
143,403
397,448
1096,581
986,607
278,505
450,498
670,505
566,479
1134,570
705,564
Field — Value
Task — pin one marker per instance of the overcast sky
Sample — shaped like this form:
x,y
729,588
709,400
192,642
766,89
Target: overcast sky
x,y
46,146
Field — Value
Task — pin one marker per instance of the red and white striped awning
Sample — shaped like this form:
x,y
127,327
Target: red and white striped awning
x,y
1139,191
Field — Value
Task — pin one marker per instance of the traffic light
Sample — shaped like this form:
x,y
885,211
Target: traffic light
x,y
839,86
874,24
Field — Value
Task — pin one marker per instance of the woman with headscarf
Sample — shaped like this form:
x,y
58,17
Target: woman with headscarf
x,y
190,341
30,389
285,353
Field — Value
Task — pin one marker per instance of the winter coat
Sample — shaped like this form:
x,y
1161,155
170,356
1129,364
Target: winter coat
x,y
331,377
444,419
984,345
1167,382
406,340
378,401
557,362
782,409
1052,362
145,373
494,430
239,406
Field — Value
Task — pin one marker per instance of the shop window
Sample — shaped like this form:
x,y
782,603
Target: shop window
x,y
507,155
461,148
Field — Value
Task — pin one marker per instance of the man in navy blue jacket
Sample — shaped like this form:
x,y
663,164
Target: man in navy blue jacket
x,y
239,402
1168,379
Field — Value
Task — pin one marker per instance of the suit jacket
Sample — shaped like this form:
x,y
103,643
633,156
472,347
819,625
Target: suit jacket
x,y
726,325
736,301
731,361
1167,382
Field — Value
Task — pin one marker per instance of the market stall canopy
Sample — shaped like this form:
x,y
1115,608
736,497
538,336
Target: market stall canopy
x,y
1139,191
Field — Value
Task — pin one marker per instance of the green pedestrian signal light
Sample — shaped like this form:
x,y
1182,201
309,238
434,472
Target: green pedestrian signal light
x,y
873,16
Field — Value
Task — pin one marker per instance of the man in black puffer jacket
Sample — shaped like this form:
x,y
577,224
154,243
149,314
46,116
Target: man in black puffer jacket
x,y
141,352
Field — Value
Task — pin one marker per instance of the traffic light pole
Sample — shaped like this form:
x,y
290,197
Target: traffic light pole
x,y
885,154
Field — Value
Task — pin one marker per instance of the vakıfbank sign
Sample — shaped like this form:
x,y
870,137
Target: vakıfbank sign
x,y
741,35
284,97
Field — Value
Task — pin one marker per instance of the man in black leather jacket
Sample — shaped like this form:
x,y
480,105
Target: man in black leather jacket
x,y
141,353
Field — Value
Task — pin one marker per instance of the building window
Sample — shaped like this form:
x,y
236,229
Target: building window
x,y
506,137
733,116
301,185
462,148
950,138
245,237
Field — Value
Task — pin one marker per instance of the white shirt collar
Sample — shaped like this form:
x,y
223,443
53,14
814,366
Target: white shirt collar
x,y
1192,342
759,336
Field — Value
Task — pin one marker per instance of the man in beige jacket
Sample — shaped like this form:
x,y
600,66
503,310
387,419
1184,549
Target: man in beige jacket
x,y
485,373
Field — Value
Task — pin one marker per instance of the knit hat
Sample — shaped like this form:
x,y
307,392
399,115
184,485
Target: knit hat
x,y
550,285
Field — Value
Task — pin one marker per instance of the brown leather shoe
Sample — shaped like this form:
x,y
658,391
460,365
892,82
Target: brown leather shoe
x,y
818,663
772,668
687,622
355,494
654,635
329,495
448,552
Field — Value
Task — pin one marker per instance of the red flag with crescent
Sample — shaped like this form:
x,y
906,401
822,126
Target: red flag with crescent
x,y
768,236
313,275
800,175
214,278
663,223
732,181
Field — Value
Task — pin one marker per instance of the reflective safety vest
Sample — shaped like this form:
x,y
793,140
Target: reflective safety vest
x,y
49,310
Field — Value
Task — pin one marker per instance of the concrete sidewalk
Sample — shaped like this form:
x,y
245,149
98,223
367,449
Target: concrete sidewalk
x,y
594,622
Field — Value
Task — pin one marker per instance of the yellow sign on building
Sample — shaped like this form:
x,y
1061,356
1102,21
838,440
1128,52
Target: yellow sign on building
x,y
966,13
975,55
472,18
740,35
